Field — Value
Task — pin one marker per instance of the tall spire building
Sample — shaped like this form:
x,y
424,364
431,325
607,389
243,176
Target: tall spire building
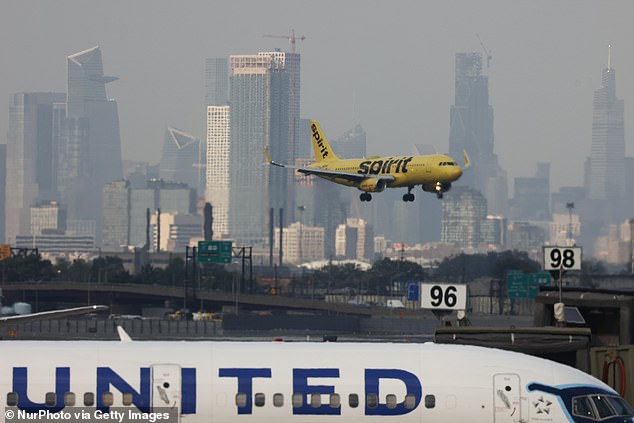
x,y
471,129
606,179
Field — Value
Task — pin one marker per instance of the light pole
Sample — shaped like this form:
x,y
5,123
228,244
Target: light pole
x,y
570,206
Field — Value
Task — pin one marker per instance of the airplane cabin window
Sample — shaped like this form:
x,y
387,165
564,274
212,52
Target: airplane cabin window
x,y
298,400
107,399
69,399
372,400
278,400
89,399
335,401
12,399
353,400
390,401
259,399
241,399
315,400
126,398
50,399
430,401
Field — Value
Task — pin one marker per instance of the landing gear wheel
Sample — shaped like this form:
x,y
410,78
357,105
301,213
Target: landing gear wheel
x,y
365,197
408,197
439,195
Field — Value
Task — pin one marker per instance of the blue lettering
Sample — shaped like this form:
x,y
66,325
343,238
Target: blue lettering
x,y
301,386
106,377
245,383
20,383
188,390
412,385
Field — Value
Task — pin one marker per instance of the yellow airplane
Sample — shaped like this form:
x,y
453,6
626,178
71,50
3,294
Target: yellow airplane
x,y
434,173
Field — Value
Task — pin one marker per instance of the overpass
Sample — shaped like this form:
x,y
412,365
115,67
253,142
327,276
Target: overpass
x,y
136,295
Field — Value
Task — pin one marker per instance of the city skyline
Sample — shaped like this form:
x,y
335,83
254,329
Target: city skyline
x,y
541,82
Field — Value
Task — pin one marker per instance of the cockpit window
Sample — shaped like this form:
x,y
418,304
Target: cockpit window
x,y
599,407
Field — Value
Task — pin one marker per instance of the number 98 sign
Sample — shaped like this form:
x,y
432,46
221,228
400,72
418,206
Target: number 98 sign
x,y
440,296
562,258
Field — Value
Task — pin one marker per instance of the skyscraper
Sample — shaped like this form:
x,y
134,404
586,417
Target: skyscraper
x,y
30,163
180,159
264,98
217,167
607,157
471,129
116,215
216,81
92,147
464,209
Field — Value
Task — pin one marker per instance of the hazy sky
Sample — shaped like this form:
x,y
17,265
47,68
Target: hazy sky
x,y
386,65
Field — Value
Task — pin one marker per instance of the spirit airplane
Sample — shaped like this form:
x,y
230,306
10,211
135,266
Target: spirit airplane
x,y
434,172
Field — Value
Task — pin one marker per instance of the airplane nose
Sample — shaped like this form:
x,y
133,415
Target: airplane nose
x,y
456,173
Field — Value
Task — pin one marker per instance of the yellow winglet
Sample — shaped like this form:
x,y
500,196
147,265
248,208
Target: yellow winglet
x,y
467,163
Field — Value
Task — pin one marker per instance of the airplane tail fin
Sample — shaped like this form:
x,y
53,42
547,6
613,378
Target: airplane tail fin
x,y
322,149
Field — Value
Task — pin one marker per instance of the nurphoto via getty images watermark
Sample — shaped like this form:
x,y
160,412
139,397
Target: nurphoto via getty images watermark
x,y
91,415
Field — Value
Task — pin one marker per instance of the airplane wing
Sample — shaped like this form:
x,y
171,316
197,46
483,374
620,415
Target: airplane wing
x,y
54,314
328,174
334,174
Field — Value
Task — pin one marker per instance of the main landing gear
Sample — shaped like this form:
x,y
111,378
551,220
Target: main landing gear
x,y
365,196
409,196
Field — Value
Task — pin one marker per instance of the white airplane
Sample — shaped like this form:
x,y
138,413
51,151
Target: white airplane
x,y
286,382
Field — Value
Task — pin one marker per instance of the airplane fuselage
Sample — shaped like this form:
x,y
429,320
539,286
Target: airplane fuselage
x,y
281,382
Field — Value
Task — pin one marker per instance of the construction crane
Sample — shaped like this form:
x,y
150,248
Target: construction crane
x,y
291,38
488,52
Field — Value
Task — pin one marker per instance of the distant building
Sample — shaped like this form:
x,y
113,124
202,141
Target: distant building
x,y
493,231
116,215
471,130
355,240
301,243
180,161
607,156
564,228
59,245
30,159
217,180
169,197
177,231
532,195
47,218
3,181
216,81
526,237
463,210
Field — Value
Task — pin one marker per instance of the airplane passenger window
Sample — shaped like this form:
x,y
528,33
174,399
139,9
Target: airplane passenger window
x,y
581,407
89,399
372,400
430,401
278,400
69,399
126,399
107,399
259,399
12,399
353,400
390,400
410,401
298,400
603,408
335,401
50,399
241,399
315,400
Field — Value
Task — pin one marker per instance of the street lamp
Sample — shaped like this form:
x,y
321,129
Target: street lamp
x,y
570,206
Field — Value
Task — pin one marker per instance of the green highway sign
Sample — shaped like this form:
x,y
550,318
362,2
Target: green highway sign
x,y
214,251
521,285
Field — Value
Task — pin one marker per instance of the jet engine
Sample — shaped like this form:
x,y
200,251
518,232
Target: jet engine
x,y
372,185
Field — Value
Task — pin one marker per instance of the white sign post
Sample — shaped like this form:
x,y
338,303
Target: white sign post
x,y
561,259
439,296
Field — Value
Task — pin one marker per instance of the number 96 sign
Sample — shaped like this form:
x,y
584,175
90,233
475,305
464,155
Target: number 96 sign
x,y
562,258
440,296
